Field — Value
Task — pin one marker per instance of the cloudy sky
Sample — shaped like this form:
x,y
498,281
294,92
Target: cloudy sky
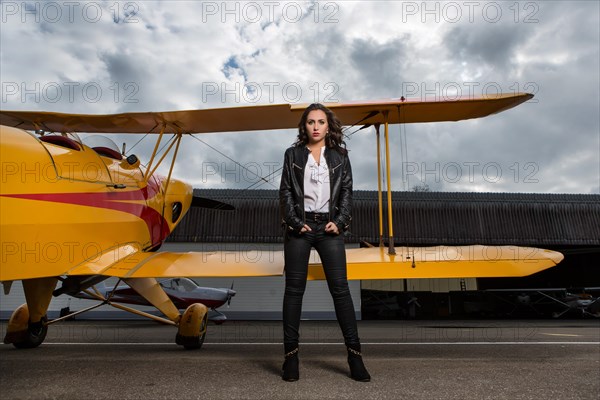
x,y
111,57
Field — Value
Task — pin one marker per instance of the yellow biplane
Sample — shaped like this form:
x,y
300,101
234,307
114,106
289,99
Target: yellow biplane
x,y
82,213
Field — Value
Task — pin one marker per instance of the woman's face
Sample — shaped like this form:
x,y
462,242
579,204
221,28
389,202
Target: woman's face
x,y
316,127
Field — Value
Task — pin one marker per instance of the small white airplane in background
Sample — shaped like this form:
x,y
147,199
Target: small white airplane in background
x,y
183,292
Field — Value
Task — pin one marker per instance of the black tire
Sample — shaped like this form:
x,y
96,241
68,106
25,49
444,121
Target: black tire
x,y
200,342
36,333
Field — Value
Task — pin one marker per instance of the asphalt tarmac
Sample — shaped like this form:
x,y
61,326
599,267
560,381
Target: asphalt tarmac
x,y
550,359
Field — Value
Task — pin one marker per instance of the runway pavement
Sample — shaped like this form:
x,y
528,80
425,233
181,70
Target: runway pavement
x,y
555,359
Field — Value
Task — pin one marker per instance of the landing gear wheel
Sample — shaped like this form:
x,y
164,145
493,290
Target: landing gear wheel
x,y
36,333
24,334
192,327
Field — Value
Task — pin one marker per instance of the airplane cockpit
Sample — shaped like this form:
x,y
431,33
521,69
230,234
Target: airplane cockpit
x,y
68,140
100,144
96,159
179,284
103,146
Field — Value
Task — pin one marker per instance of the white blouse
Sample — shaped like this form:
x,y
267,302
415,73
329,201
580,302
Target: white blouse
x,y
316,184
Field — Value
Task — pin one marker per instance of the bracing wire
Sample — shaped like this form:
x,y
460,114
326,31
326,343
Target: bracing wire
x,y
264,180
162,148
277,172
406,157
143,137
138,142
261,179
403,151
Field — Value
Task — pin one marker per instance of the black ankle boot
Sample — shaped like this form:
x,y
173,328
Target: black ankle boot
x,y
290,370
358,372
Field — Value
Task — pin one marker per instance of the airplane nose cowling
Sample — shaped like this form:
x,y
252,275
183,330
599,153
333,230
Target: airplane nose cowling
x,y
178,200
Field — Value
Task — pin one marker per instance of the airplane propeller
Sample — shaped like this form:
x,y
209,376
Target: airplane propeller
x,y
231,294
211,204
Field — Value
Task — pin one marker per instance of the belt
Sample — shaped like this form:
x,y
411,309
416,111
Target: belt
x,y
317,217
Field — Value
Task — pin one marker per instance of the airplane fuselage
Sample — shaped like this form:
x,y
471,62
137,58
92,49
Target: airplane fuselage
x,y
65,205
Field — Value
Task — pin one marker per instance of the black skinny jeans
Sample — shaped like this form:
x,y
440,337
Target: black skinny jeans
x,y
333,257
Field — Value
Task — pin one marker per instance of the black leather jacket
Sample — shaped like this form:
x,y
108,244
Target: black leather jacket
x,y
291,190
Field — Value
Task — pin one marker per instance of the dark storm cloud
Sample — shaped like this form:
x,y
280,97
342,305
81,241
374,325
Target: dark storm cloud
x,y
490,44
379,65
121,67
326,50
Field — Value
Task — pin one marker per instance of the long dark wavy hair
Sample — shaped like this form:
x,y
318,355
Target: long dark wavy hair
x,y
334,139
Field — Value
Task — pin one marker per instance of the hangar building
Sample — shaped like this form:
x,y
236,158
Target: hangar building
x,y
569,223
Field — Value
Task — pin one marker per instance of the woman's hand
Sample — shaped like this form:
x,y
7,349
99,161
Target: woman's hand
x,y
305,228
331,227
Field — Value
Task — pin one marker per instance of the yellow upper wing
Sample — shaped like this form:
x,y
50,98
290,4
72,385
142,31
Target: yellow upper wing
x,y
264,117
368,263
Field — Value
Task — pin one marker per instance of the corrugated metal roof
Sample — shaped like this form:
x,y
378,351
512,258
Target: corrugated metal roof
x,y
420,218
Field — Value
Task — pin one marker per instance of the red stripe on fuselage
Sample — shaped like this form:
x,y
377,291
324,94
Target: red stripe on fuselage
x,y
157,226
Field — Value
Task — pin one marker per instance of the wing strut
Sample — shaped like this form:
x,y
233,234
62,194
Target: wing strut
x,y
148,169
179,136
152,168
391,249
379,191
164,155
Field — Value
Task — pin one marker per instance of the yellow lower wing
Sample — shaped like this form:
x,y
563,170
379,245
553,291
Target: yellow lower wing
x,y
444,262
194,265
367,263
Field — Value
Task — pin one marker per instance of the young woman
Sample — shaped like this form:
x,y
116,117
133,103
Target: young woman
x,y
315,198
